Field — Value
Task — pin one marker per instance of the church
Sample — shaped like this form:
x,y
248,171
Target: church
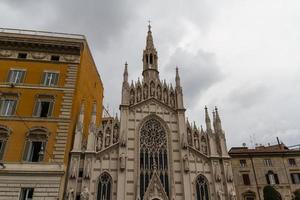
x,y
151,152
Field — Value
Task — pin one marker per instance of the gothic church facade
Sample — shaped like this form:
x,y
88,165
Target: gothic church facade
x,y
152,152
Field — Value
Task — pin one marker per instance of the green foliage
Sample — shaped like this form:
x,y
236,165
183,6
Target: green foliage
x,y
271,194
297,195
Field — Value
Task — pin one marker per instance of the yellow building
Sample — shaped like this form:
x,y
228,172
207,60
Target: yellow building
x,y
44,79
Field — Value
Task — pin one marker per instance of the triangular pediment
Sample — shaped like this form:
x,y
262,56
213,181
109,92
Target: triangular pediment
x,y
155,189
153,101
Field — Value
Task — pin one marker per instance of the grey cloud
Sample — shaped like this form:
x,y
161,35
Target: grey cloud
x,y
198,72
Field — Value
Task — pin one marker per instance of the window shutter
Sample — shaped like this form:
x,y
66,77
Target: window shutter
x,y
14,105
9,76
55,79
43,78
37,108
26,150
276,178
22,76
267,178
50,109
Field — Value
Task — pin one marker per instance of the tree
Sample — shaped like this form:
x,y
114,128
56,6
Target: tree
x,y
271,194
297,195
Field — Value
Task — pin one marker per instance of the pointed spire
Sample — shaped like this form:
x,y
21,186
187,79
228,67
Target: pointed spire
x,y
79,129
149,41
201,129
218,120
195,127
125,74
214,120
207,120
177,78
92,129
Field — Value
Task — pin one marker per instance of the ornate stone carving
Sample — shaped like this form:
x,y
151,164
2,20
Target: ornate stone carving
x,y
153,136
85,194
73,172
116,133
5,53
70,58
220,194
217,172
70,194
99,140
232,195
107,137
87,169
38,55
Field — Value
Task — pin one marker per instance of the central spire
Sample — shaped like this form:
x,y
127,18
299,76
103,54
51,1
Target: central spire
x,y
150,70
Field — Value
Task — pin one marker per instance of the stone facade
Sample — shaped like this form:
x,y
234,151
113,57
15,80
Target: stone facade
x,y
34,147
265,165
151,151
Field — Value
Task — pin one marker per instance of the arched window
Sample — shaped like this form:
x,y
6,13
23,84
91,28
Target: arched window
x,y
104,187
35,144
249,195
153,155
4,134
272,178
202,188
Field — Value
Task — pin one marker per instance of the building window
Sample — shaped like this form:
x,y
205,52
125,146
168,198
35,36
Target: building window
x,y
268,162
35,144
8,103
202,188
153,155
44,106
272,178
243,163
22,55
4,134
16,76
54,58
26,194
50,78
292,162
295,178
104,187
246,179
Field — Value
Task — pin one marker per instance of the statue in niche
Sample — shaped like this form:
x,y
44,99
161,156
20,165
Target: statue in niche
x,y
232,195
229,173
116,134
220,194
139,94
165,96
87,170
217,173
99,141
184,141
152,89
186,163
145,92
85,195
70,194
132,97
107,137
122,161
159,92
172,101
123,140
74,168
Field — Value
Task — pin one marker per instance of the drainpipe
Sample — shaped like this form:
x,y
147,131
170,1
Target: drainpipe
x,y
255,177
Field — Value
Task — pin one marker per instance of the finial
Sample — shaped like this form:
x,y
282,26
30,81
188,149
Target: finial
x,y
149,25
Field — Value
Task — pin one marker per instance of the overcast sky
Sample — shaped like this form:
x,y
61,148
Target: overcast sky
x,y
240,55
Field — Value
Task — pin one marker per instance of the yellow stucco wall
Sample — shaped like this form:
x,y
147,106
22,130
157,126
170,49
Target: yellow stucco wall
x,y
88,88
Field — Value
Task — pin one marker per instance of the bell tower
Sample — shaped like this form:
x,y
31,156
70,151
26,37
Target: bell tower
x,y
150,70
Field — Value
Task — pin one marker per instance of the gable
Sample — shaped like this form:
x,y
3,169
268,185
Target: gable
x,y
155,189
152,105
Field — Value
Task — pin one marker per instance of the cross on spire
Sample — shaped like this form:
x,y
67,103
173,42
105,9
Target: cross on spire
x,y
149,25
